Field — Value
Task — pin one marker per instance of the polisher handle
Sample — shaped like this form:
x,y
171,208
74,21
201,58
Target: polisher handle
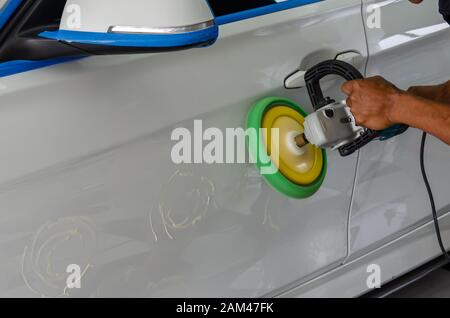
x,y
325,68
348,72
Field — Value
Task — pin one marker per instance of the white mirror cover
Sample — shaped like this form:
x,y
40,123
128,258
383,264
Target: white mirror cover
x,y
143,25
137,16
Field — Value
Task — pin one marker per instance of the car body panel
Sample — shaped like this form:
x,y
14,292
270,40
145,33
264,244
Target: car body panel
x,y
395,258
391,198
89,178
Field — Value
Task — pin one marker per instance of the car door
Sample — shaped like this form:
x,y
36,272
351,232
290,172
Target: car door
x,y
390,197
88,183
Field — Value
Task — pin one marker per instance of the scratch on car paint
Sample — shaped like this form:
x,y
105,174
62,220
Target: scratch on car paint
x,y
38,266
268,216
180,213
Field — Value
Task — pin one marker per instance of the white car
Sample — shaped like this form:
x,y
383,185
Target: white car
x,y
88,185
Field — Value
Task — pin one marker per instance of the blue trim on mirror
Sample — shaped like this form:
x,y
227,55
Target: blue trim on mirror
x,y
20,66
135,40
8,10
247,14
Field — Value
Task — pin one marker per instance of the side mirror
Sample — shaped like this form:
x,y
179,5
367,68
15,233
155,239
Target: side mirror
x,y
49,29
135,26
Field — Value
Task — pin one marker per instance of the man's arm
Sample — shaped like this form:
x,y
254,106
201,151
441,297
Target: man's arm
x,y
377,104
438,93
427,115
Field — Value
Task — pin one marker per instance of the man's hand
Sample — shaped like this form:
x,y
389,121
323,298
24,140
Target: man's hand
x,y
371,101
378,104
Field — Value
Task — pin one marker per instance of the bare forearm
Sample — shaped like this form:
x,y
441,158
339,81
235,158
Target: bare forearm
x,y
443,95
438,93
428,115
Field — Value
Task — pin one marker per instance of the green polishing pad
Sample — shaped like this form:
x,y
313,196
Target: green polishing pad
x,y
296,172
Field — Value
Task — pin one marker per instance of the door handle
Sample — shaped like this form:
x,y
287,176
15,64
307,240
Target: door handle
x,y
297,78
351,57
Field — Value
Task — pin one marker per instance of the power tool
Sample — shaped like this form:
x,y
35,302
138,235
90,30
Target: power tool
x,y
303,138
299,150
333,125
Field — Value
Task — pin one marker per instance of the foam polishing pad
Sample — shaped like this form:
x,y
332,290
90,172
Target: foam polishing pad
x,y
299,172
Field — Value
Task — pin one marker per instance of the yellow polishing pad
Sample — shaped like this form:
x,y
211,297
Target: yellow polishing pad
x,y
303,165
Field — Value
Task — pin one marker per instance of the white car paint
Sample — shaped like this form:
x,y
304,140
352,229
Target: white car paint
x,y
390,217
390,197
88,177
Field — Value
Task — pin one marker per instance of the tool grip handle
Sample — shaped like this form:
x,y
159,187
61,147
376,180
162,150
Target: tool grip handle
x,y
325,68
370,135
367,136
349,73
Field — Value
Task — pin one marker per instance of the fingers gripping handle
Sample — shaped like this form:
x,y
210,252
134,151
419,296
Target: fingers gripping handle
x,y
325,68
348,72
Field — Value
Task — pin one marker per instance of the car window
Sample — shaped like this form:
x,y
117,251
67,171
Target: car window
x,y
227,11
223,7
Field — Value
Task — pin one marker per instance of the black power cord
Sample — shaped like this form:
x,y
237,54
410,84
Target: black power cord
x,y
430,194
